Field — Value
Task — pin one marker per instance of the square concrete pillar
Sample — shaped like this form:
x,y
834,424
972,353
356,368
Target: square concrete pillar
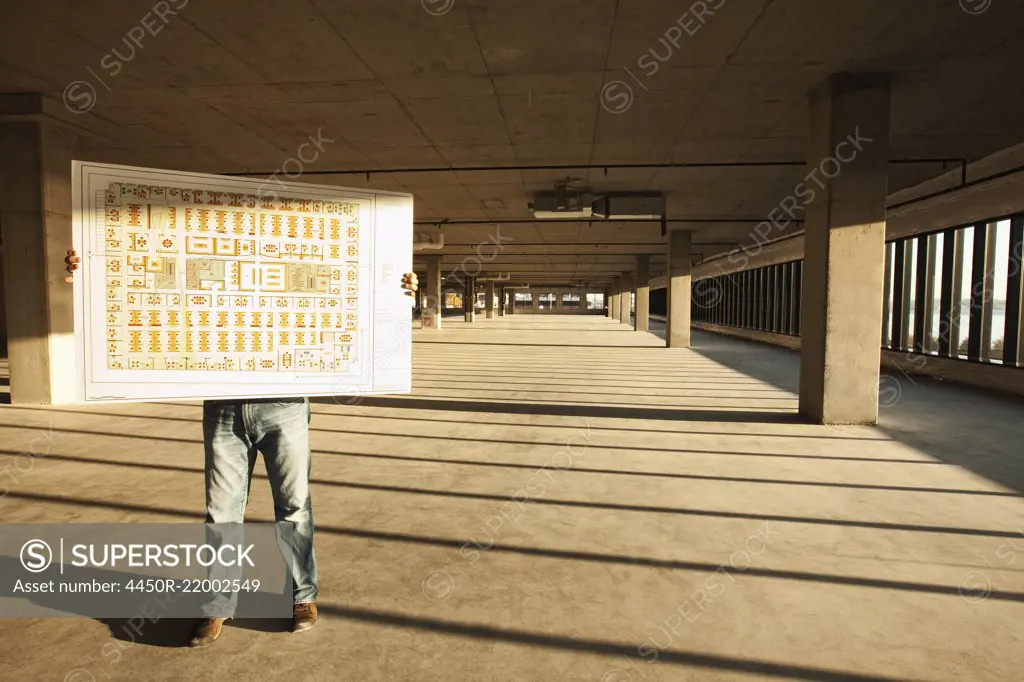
x,y
626,298
469,300
36,215
844,250
677,333
501,302
433,300
489,305
607,303
613,300
643,293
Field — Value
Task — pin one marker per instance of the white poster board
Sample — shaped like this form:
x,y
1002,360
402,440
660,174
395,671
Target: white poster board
x,y
204,286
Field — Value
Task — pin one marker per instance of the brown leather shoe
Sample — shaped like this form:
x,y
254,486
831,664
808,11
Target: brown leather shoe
x,y
303,616
207,631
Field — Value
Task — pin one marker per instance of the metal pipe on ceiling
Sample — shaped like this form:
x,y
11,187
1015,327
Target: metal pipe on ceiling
x,y
660,244
963,185
582,166
629,254
544,221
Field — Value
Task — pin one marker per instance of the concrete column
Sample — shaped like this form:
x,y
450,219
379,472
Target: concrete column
x,y
469,300
613,300
501,302
607,303
643,293
433,301
489,305
677,334
844,249
36,214
3,308
625,297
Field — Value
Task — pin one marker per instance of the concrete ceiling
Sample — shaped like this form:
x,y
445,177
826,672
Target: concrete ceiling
x,y
237,86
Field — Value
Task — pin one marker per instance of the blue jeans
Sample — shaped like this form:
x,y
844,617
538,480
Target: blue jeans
x,y
233,432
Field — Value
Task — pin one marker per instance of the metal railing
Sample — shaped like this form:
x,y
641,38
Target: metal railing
x,y
954,293
763,299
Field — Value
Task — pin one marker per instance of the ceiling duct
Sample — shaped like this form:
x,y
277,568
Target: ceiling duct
x,y
564,202
581,204
630,206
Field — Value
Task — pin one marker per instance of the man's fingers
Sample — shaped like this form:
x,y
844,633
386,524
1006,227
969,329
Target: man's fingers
x,y
72,261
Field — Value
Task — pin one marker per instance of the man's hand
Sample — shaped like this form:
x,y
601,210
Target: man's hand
x,y
410,283
71,264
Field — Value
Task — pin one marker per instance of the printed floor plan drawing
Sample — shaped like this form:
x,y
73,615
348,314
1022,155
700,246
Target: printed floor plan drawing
x,y
217,281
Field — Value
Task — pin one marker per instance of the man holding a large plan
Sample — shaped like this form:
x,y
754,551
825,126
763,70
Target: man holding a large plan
x,y
233,432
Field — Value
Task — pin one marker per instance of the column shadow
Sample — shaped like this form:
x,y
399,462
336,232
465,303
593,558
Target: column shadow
x,y
980,431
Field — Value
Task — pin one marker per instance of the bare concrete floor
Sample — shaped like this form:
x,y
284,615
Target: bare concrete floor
x,y
675,521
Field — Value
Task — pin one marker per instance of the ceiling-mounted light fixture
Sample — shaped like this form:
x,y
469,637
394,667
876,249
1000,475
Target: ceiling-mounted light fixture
x,y
565,202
